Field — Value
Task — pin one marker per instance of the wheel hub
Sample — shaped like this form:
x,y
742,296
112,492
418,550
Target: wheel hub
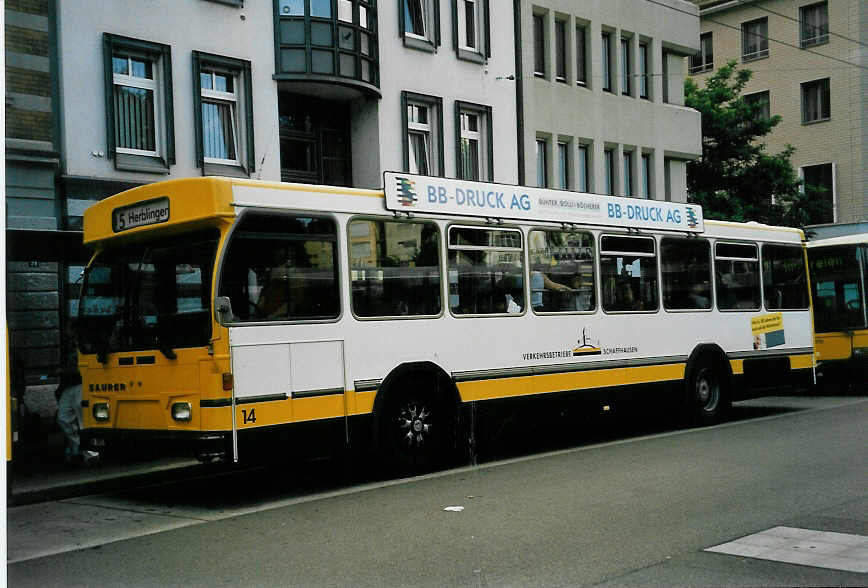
x,y
414,424
707,391
703,391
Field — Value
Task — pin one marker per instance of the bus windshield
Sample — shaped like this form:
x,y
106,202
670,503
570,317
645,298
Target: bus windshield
x,y
152,294
838,283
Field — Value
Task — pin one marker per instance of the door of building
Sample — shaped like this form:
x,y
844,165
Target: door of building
x,y
314,140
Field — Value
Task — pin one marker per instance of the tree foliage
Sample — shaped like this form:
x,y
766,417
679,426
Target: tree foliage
x,y
736,178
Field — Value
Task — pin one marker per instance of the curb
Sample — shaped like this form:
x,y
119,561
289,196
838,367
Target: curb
x,y
102,483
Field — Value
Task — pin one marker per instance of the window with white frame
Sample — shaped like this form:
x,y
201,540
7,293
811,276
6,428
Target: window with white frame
x,y
471,147
755,39
423,117
139,112
136,99
468,24
814,24
416,18
474,157
471,33
219,116
815,101
420,23
419,135
225,133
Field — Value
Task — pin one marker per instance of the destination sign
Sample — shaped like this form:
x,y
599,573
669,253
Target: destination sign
x,y
412,193
141,214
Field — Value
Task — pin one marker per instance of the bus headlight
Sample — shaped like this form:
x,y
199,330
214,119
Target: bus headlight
x,y
101,411
182,411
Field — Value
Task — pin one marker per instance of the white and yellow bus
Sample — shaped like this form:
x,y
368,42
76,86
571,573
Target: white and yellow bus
x,y
218,312
839,281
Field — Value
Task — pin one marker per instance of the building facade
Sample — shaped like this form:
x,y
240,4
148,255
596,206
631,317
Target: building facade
x,y
601,99
33,204
810,66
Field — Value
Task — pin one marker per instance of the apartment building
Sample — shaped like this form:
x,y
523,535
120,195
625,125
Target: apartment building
x,y
601,96
810,66
335,92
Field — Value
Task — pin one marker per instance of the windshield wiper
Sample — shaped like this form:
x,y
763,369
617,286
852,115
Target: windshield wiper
x,y
166,350
102,352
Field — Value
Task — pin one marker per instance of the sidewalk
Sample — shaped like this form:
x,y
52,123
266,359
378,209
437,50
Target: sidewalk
x,y
38,473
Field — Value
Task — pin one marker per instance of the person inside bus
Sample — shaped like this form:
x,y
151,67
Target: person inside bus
x,y
508,294
580,294
625,297
272,303
539,283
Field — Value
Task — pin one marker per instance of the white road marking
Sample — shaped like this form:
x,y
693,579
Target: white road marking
x,y
820,549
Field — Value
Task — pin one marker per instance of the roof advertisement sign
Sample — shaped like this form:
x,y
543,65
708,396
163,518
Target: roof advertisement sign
x,y
412,193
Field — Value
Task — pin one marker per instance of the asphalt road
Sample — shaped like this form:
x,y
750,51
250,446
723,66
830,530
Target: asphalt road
x,y
638,508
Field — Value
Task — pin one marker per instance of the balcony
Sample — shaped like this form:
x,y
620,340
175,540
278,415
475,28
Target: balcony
x,y
328,43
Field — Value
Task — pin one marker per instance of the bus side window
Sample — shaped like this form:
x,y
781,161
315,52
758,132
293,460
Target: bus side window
x,y
561,271
628,271
282,267
394,268
686,270
784,278
486,271
736,269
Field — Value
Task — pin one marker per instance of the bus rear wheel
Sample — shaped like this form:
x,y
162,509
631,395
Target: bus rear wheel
x,y
707,392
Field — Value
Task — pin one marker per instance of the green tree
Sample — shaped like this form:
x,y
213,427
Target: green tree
x,y
736,178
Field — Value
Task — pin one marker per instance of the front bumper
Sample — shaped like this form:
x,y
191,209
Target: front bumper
x,y
200,444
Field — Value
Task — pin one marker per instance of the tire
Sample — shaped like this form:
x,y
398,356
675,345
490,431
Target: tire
x,y
707,392
415,426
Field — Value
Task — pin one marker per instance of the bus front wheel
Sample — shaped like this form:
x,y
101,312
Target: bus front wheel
x,y
414,427
707,392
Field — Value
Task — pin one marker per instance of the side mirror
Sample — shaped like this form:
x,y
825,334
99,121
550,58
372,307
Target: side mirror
x,y
223,310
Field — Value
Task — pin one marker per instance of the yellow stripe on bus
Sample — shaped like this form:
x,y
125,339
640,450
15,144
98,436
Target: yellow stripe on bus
x,y
800,362
546,383
273,412
295,410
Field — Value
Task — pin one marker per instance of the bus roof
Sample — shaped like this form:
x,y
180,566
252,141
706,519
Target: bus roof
x,y
856,239
193,200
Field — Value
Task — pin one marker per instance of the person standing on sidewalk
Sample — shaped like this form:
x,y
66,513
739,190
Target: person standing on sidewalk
x,y
69,404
